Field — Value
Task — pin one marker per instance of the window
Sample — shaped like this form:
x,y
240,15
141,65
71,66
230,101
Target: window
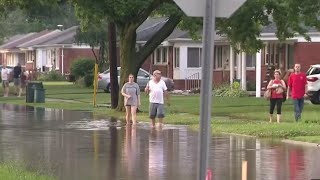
x,y
21,59
48,53
176,57
164,56
271,52
55,59
313,71
218,57
251,60
290,56
194,57
160,55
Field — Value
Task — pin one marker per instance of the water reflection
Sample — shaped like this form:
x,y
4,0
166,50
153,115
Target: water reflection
x,y
76,145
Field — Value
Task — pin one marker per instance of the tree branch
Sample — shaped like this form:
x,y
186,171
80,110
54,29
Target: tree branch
x,y
143,15
157,38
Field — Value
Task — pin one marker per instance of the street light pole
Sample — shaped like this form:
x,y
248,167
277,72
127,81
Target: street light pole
x,y
206,87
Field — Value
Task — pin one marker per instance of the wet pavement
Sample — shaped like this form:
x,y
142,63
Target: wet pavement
x,y
77,145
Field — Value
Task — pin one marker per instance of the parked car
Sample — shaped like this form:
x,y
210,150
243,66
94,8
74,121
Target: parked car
x,y
313,79
143,78
10,68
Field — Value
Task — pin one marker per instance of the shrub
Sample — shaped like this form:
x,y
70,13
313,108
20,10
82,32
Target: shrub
x,y
228,91
80,82
88,80
51,76
251,86
81,67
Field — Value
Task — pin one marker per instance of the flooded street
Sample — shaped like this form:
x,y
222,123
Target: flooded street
x,y
76,145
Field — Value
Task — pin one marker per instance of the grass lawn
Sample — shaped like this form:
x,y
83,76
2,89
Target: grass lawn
x,y
12,172
247,115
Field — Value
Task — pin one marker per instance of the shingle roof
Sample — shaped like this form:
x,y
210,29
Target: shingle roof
x,y
24,39
63,37
39,40
272,28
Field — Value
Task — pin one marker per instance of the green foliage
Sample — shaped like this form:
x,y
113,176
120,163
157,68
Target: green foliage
x,y
227,91
289,16
314,120
51,76
88,80
251,86
96,36
81,67
18,16
80,82
13,172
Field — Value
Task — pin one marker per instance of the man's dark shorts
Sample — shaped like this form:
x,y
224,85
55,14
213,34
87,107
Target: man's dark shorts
x,y
156,110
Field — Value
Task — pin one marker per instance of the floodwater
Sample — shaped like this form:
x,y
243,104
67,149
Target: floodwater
x,y
73,145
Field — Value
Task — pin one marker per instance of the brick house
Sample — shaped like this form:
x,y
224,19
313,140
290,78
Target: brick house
x,y
45,51
179,57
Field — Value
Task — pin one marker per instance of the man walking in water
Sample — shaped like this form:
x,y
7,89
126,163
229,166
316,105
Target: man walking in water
x,y
297,83
157,89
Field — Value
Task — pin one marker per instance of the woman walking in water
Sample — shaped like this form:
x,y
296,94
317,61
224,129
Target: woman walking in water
x,y
131,93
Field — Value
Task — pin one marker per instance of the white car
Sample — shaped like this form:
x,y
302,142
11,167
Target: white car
x,y
143,78
313,79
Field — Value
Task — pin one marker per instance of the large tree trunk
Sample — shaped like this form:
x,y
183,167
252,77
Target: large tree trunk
x,y
127,58
113,65
130,60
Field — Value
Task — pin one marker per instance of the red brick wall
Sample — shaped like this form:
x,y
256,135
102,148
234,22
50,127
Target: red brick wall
x,y
147,64
71,54
307,53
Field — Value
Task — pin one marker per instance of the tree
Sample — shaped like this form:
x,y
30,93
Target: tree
x,y
18,17
291,17
242,29
128,16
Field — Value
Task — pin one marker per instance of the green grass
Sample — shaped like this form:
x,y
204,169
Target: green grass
x,y
12,172
247,115
311,139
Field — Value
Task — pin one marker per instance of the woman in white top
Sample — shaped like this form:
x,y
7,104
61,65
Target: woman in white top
x,y
5,80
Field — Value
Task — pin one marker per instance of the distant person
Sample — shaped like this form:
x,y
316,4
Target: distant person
x,y
17,78
277,87
24,77
297,83
131,93
157,89
5,80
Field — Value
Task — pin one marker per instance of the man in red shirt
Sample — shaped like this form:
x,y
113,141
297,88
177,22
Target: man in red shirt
x,y
297,83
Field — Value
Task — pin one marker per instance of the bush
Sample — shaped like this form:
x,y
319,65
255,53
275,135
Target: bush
x,y
51,76
88,80
80,82
228,91
81,67
251,86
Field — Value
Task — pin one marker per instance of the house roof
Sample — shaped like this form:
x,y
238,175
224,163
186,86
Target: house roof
x,y
26,38
63,37
272,28
39,39
153,25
